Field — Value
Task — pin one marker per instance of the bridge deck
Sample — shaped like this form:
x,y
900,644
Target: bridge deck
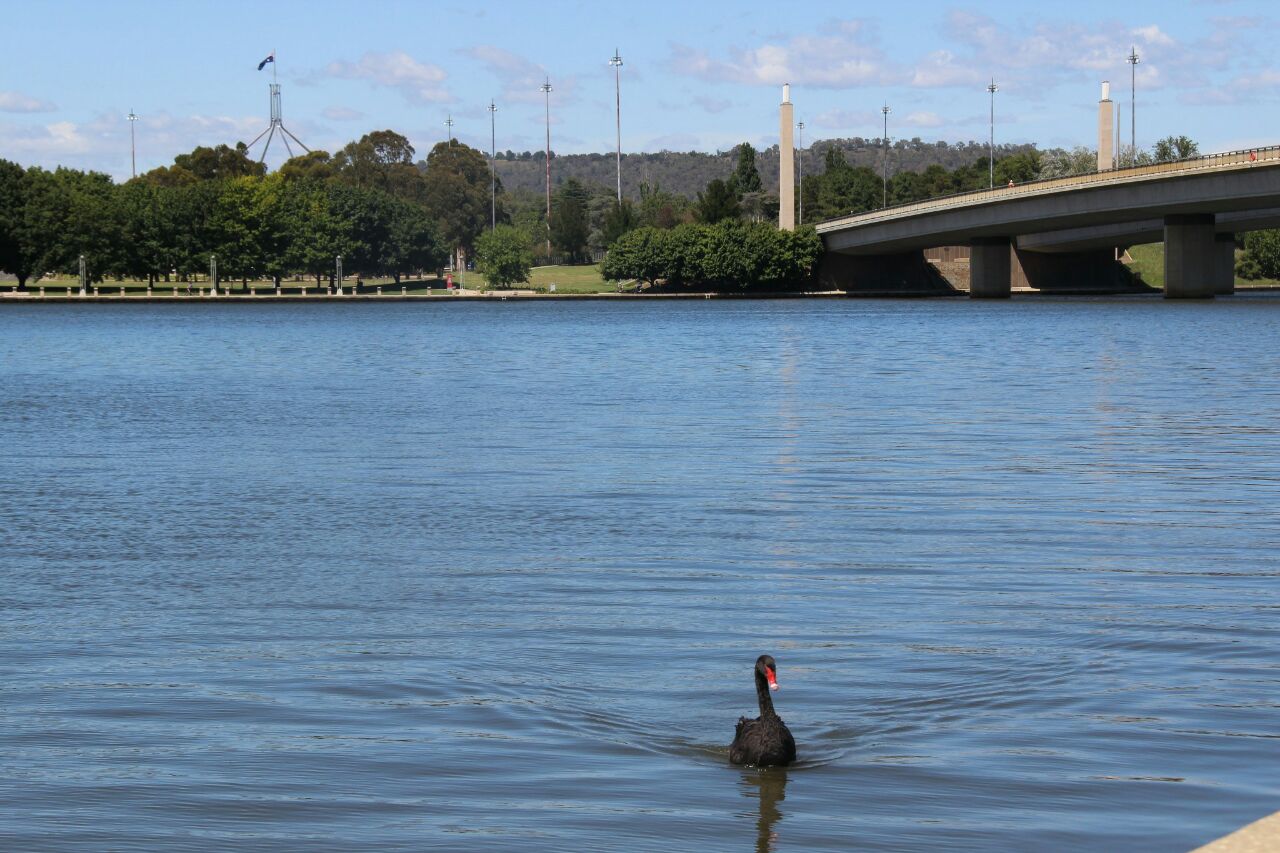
x,y
1232,161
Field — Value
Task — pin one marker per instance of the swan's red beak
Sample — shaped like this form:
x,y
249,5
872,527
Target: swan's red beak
x,y
773,679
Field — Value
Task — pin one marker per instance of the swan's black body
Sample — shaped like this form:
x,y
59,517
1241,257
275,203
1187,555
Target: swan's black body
x,y
764,741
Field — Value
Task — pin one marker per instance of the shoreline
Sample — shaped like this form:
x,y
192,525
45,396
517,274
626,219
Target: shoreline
x,y
35,298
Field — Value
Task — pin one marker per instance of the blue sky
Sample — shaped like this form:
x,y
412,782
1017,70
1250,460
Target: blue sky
x,y
696,75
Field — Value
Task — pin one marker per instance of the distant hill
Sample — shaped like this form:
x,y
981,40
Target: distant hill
x,y
687,173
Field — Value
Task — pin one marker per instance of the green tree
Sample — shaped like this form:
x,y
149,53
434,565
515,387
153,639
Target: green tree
x,y
210,164
745,178
503,256
314,165
1261,256
1173,148
382,160
145,245
717,203
236,230
728,255
622,217
71,213
1061,163
1019,168
570,226
456,187
20,248
661,209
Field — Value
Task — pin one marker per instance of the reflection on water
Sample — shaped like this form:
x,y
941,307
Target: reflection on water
x,y
478,577
769,787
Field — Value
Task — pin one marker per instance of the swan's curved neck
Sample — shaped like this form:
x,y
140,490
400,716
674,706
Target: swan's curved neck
x,y
762,693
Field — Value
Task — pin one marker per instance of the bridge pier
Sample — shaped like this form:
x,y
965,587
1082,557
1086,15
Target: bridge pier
x,y
1189,253
990,268
1224,264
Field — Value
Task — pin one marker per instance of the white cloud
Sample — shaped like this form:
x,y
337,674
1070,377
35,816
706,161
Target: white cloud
x,y
521,78
941,69
923,119
16,102
845,54
419,82
1153,35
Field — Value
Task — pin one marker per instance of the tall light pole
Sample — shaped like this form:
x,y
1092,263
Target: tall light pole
x,y
133,145
448,134
1133,60
493,176
800,127
546,90
616,62
885,165
991,142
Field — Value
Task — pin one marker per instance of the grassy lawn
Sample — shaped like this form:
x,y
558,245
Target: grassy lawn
x,y
567,279
1148,262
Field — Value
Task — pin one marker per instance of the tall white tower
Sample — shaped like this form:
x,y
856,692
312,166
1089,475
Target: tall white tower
x,y
786,164
1106,127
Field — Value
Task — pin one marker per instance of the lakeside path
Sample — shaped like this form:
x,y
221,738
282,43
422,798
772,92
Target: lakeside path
x,y
34,296
456,296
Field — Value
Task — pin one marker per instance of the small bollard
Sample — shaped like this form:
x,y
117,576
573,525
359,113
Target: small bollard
x,y
42,290
148,290
404,291
95,290
277,291
379,290
304,291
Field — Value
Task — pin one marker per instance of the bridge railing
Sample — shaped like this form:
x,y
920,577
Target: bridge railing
x,y
1233,159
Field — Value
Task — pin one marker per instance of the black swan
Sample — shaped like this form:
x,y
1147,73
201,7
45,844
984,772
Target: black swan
x,y
764,741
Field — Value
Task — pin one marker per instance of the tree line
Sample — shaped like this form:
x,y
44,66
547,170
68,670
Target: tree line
x,y
369,203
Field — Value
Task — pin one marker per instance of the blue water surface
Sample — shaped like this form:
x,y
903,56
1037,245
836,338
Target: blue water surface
x,y
404,576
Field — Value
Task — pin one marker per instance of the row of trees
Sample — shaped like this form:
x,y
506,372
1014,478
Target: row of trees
x,y
370,203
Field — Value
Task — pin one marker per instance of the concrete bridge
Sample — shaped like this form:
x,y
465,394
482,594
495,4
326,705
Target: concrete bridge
x,y
1061,230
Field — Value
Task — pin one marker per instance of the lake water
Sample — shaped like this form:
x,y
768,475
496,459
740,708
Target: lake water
x,y
487,576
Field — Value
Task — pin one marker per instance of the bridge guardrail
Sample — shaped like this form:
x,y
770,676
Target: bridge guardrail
x,y
1246,158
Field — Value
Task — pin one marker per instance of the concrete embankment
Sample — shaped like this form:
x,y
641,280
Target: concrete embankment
x,y
1262,836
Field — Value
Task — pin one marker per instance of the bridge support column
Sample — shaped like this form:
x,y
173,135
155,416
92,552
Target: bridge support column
x,y
1189,256
990,268
1224,264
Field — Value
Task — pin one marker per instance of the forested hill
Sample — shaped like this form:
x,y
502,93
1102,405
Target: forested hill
x,y
687,173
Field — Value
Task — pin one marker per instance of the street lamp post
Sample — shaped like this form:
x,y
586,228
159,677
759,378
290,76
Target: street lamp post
x,y
1133,60
800,127
337,272
213,275
493,177
448,122
616,62
885,165
991,142
133,145
546,90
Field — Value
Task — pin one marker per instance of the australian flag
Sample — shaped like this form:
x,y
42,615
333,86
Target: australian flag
x,y
271,57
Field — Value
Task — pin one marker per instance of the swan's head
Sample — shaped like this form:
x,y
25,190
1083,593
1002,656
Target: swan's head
x,y
767,669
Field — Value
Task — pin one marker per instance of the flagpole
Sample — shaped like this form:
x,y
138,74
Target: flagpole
x,y
274,63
